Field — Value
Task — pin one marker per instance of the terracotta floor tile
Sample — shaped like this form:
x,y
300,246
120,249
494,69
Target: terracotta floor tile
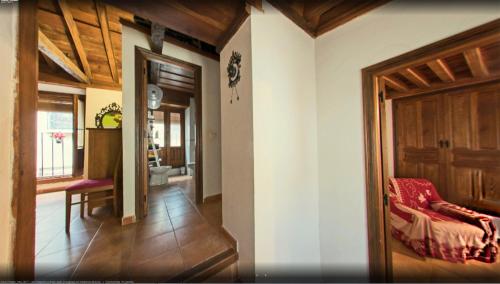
x,y
200,250
99,248
189,234
149,248
190,219
179,211
159,269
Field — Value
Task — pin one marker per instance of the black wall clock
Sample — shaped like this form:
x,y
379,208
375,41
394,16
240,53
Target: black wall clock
x,y
234,74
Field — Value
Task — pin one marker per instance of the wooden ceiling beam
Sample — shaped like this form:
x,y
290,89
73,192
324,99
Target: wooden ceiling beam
x,y
395,84
444,86
48,48
234,27
314,9
476,63
75,36
356,11
177,5
103,22
415,77
441,69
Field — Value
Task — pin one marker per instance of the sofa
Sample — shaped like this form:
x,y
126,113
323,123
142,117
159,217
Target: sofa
x,y
432,227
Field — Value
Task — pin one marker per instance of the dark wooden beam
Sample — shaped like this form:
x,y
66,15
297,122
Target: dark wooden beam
x,y
103,22
157,37
476,63
243,14
169,39
415,77
441,69
25,137
75,36
446,86
356,11
48,48
395,84
315,8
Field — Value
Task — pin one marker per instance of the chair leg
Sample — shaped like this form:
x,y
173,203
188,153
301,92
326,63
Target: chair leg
x,y
68,211
82,205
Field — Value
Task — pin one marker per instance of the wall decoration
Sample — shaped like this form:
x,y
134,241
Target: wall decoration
x,y
109,117
234,74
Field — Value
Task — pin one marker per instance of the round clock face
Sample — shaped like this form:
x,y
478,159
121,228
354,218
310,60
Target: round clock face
x,y
233,69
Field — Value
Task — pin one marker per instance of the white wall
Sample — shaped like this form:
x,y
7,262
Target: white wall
x,y
211,114
237,152
388,31
8,89
96,99
285,147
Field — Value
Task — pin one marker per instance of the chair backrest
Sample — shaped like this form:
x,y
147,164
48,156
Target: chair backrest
x,y
413,192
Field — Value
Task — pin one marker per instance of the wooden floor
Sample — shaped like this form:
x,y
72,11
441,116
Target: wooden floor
x,y
175,237
410,267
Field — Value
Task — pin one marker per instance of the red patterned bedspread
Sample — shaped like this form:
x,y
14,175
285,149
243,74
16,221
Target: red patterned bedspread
x,y
433,227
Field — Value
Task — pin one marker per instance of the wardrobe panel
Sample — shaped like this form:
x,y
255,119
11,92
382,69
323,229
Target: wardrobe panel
x,y
487,119
460,120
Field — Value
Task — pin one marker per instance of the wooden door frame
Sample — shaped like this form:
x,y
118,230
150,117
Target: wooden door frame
x,y
24,169
376,164
143,55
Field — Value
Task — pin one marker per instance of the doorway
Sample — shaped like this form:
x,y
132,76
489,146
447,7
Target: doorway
x,y
181,85
424,71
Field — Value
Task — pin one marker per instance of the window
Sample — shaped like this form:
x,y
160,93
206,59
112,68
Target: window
x,y
159,128
55,144
175,129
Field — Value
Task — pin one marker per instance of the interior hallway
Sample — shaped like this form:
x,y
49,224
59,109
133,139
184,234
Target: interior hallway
x,y
175,237
410,267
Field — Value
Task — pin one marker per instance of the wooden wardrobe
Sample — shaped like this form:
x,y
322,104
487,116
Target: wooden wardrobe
x,y
452,139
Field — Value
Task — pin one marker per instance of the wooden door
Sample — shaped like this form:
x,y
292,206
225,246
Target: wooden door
x,y
473,127
418,137
176,151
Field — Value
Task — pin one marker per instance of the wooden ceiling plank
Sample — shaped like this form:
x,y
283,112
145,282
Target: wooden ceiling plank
x,y
355,12
395,84
55,54
284,7
441,69
314,9
200,17
103,21
476,63
233,28
75,37
415,77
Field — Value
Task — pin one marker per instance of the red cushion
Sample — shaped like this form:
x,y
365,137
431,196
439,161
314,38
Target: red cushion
x,y
90,183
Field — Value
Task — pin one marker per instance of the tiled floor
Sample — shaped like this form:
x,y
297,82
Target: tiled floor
x,y
176,236
410,267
